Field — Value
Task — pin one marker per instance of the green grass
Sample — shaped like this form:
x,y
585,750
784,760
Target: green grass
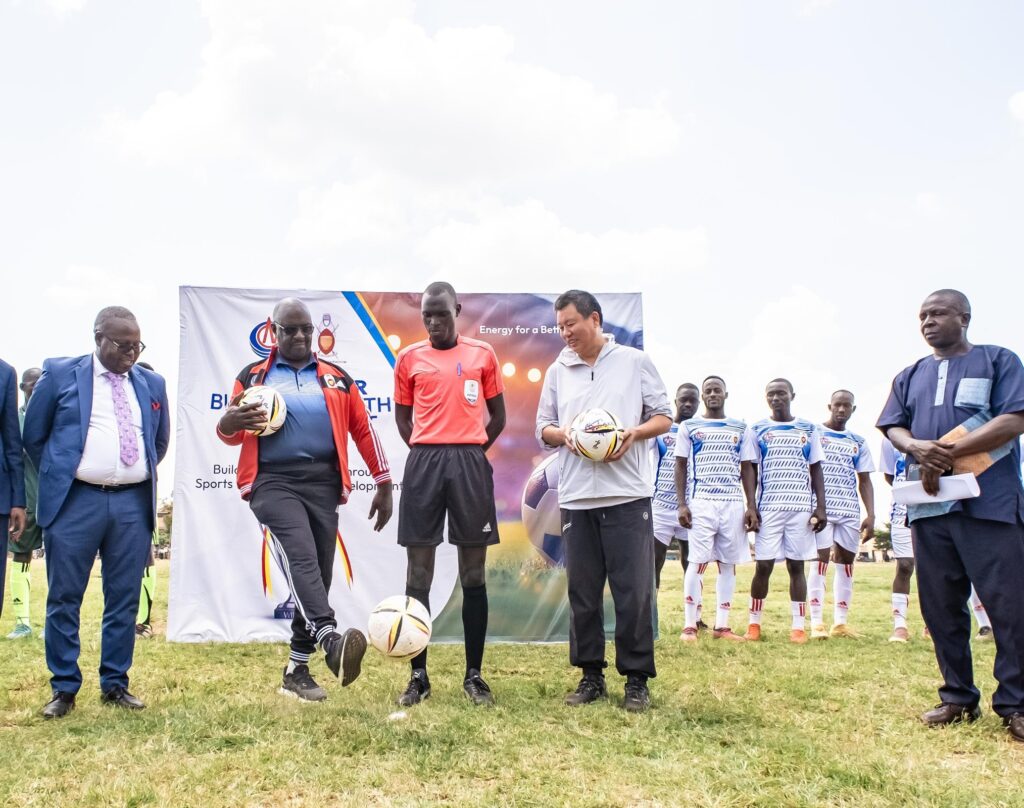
x,y
831,723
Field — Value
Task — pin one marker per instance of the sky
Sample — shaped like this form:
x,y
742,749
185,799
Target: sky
x,y
784,182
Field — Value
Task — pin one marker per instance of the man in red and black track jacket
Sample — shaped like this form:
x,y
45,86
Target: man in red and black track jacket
x,y
295,478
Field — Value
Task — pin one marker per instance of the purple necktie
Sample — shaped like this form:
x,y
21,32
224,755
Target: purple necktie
x,y
125,428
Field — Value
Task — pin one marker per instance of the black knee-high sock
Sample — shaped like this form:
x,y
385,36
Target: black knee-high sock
x,y
423,596
474,624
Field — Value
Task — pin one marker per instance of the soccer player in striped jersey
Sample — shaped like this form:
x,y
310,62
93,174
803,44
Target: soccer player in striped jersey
x,y
715,460
894,467
663,512
847,470
791,505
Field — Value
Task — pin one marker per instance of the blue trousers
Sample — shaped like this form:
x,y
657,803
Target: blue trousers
x,y
951,552
4,523
118,527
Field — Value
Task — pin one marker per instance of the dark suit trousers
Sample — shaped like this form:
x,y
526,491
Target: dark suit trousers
x,y
614,544
4,522
951,552
118,526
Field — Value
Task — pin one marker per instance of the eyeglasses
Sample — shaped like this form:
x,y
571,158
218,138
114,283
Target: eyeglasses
x,y
126,347
292,330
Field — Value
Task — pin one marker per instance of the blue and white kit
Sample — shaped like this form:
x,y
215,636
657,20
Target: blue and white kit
x,y
846,455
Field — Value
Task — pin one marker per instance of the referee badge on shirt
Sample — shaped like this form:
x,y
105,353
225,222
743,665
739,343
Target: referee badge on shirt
x,y
471,390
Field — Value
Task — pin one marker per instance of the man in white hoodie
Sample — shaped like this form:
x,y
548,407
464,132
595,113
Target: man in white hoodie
x,y
606,507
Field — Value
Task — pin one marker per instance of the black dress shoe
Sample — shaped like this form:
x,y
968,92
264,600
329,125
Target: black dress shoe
x,y
1015,724
948,713
60,705
120,697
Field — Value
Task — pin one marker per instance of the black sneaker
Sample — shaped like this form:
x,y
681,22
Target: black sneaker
x,y
638,697
476,688
591,688
344,654
417,689
301,685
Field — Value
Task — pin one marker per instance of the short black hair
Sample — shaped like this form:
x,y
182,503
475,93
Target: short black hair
x,y
842,390
585,303
957,295
111,313
441,288
787,382
687,384
712,376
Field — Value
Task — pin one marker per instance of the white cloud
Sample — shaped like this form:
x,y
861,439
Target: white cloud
x,y
526,245
809,7
1016,107
929,204
302,94
63,9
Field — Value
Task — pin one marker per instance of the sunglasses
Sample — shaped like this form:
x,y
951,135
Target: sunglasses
x,y
292,330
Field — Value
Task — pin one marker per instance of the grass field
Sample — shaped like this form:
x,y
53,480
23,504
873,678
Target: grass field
x,y
831,723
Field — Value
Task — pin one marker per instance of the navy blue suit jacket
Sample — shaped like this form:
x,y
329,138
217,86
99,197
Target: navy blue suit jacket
x,y
12,469
57,421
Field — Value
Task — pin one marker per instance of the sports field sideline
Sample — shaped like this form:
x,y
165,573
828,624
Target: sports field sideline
x,y
829,723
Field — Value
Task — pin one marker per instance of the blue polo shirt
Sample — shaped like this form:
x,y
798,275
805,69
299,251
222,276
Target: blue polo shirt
x,y
306,434
934,395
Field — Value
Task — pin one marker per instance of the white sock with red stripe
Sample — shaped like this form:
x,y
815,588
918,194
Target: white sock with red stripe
x,y
979,610
724,589
900,604
693,586
842,588
816,591
756,607
797,609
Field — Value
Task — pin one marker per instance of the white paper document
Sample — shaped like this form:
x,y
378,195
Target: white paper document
x,y
959,486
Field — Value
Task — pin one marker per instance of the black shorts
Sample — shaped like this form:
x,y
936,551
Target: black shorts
x,y
452,480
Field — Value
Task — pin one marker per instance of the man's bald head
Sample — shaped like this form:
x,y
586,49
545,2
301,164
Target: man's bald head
x,y
290,305
954,298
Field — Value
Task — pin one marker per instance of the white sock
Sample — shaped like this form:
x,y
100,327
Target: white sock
x,y
979,610
756,605
797,609
842,587
816,591
724,589
900,603
291,666
692,585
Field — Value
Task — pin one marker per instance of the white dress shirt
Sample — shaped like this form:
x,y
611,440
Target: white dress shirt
x,y
101,459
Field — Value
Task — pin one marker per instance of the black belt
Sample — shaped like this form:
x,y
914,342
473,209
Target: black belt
x,y
112,489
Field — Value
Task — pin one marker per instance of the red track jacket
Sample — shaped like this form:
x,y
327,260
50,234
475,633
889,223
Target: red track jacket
x,y
348,417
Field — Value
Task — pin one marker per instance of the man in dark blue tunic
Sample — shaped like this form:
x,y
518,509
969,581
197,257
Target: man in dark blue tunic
x,y
977,390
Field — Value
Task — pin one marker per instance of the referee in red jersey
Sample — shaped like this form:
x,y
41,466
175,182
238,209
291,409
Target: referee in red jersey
x,y
450,408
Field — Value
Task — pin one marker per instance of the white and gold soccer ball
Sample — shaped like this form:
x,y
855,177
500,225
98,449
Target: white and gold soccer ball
x,y
596,434
399,627
272,401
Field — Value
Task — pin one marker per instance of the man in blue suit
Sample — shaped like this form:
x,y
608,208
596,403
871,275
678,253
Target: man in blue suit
x,y
96,427
12,476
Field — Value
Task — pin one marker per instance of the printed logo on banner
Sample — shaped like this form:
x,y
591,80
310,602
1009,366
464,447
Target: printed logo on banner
x,y
262,339
325,340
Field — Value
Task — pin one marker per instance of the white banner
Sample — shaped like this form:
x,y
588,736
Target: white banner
x,y
218,565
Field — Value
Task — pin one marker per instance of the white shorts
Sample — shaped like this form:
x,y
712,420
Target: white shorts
x,y
842,530
902,546
717,533
666,525
785,534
